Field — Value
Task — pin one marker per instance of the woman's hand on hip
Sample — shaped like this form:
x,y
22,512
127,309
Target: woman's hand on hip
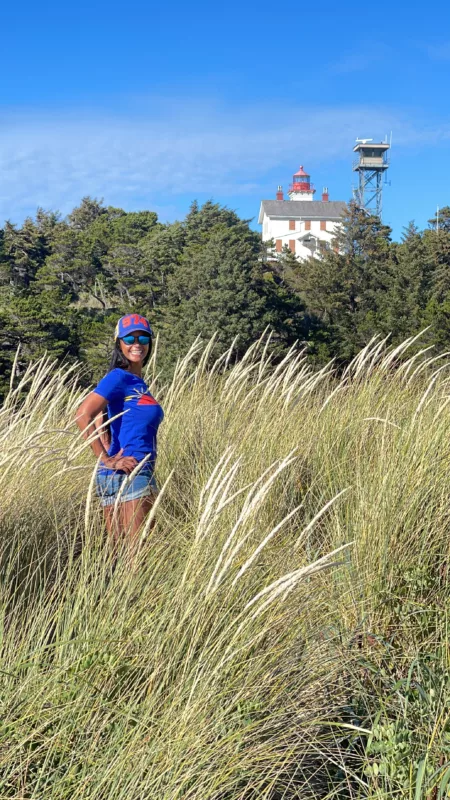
x,y
124,463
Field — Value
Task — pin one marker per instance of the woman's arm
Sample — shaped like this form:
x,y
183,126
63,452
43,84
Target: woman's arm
x,y
103,430
87,414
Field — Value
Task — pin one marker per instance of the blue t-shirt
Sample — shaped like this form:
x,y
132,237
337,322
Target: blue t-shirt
x,y
135,431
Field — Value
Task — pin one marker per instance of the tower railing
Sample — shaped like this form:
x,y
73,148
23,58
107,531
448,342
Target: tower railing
x,y
370,163
302,187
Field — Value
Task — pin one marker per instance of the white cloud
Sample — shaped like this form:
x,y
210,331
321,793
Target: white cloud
x,y
168,151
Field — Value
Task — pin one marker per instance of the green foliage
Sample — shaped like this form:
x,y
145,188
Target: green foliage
x,y
344,288
407,751
64,282
70,278
25,249
239,656
441,220
221,286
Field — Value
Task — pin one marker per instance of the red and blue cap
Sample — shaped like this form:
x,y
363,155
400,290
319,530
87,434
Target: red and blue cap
x,y
130,323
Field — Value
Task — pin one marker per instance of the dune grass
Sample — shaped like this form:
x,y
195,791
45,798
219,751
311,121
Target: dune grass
x,y
282,631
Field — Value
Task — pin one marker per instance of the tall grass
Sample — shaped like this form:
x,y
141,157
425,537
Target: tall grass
x,y
282,631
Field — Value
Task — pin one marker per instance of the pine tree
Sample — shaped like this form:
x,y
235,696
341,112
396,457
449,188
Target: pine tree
x,y
86,213
438,246
24,252
219,287
161,254
411,269
200,221
76,263
344,288
437,242
441,220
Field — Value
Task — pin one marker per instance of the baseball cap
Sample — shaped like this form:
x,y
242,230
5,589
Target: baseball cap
x,y
130,323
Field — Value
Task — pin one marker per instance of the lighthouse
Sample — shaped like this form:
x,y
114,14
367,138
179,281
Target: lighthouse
x,y
305,226
301,187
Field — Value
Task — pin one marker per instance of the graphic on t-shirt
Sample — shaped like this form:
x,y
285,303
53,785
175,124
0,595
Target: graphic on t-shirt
x,y
143,398
147,400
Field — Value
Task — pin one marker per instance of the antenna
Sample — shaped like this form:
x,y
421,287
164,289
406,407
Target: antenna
x,y
437,220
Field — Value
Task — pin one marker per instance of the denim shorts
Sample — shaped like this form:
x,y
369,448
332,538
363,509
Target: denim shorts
x,y
109,485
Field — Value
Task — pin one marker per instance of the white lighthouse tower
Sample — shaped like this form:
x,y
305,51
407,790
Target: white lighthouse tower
x,y
301,187
304,225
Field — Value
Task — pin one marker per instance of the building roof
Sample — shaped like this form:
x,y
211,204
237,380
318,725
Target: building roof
x,y
302,209
302,172
369,145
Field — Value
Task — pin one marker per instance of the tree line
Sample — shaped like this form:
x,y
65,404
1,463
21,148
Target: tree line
x,y
64,282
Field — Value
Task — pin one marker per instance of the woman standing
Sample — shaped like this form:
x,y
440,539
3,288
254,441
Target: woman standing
x,y
130,437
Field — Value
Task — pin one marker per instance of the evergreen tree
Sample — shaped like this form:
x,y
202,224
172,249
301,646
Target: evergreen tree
x,y
90,209
441,220
344,288
64,282
438,246
411,269
289,268
437,242
76,264
24,251
131,228
161,254
200,221
219,287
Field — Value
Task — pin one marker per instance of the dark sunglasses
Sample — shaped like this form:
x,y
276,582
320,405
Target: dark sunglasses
x,y
130,338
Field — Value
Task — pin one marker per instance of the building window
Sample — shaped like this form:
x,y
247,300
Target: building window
x,y
278,245
292,245
307,224
323,224
292,224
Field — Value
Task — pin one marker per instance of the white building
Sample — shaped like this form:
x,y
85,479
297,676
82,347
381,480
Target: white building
x,y
305,225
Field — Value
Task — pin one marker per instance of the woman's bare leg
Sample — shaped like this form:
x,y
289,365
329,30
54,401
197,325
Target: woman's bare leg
x,y
128,520
133,514
108,512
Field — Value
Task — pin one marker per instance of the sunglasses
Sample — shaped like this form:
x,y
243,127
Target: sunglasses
x,y
130,338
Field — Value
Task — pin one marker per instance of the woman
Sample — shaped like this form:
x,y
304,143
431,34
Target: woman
x,y
130,437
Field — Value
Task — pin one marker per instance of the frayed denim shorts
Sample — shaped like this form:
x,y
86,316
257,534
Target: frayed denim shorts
x,y
108,486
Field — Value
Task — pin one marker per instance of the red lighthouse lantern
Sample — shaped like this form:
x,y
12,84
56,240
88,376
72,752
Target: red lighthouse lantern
x,y
301,187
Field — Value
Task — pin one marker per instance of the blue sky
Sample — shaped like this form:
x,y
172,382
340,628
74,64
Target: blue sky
x,y
151,106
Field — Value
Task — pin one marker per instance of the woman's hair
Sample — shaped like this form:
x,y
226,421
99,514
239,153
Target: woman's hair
x,y
119,360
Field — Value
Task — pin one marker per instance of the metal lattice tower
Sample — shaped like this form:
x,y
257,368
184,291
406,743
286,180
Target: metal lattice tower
x,y
371,165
